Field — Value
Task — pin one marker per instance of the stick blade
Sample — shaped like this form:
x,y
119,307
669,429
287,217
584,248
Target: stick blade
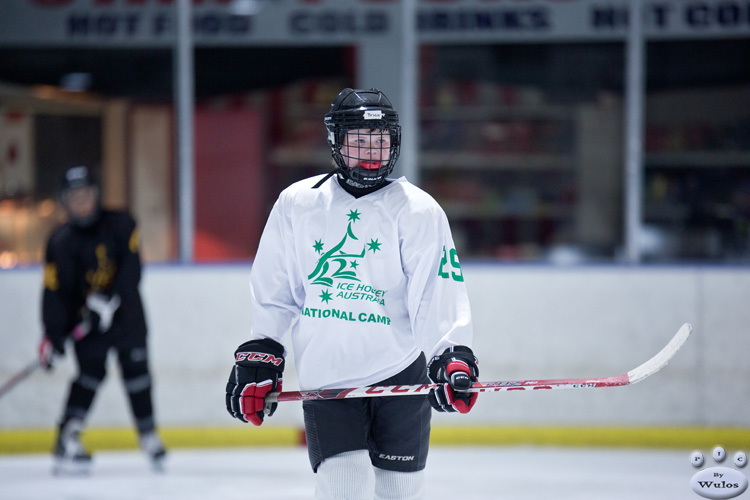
x,y
661,359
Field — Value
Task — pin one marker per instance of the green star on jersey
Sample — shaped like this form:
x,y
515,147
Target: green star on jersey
x,y
374,245
353,215
325,296
318,246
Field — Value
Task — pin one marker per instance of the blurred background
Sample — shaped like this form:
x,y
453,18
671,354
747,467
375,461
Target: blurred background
x,y
594,166
518,113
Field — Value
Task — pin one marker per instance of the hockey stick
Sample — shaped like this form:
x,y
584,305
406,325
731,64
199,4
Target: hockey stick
x,y
634,376
18,377
80,331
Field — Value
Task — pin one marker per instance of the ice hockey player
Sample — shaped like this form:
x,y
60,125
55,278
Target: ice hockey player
x,y
91,276
364,271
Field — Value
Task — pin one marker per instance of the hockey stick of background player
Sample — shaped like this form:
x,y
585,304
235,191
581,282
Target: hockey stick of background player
x,y
18,377
635,375
80,331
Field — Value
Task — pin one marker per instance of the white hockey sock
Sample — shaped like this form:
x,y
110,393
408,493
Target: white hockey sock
x,y
346,476
392,485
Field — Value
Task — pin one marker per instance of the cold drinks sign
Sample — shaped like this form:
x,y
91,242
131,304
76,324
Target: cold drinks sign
x,y
227,22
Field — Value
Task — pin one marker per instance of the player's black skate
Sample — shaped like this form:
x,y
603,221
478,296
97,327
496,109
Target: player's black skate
x,y
153,447
70,456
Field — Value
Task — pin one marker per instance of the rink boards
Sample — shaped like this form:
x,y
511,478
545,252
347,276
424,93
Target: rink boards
x,y
530,322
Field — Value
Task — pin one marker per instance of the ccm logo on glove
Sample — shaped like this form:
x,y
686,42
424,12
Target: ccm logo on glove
x,y
257,372
261,357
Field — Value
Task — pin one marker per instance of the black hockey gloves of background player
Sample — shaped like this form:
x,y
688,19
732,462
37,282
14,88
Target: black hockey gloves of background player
x,y
258,365
455,369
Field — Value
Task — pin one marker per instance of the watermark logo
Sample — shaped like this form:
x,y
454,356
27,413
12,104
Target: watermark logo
x,y
718,482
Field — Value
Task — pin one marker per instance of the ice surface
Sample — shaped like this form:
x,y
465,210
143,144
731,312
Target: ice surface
x,y
518,473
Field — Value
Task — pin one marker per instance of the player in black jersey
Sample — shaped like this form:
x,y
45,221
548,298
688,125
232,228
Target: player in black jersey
x,y
91,276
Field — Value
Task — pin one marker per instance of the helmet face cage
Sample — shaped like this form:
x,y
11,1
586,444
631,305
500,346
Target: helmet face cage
x,y
365,139
366,156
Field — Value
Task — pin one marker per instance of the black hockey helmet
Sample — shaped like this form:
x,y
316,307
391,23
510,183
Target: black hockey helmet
x,y
362,109
76,178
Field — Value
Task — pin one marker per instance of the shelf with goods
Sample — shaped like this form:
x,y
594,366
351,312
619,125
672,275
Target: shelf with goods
x,y
678,197
431,160
700,142
534,110
679,185
498,131
697,173
703,208
491,209
505,175
698,159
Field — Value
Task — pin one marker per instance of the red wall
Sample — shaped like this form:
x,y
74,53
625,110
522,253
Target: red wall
x,y
228,184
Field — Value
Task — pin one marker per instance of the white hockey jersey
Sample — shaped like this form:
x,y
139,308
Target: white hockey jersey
x,y
363,284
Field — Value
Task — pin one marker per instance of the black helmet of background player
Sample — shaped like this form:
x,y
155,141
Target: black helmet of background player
x,y
364,136
79,194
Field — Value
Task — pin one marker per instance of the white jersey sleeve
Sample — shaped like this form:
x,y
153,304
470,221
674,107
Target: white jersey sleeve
x,y
276,293
438,301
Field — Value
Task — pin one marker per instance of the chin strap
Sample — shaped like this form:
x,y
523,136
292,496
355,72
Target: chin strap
x,y
335,171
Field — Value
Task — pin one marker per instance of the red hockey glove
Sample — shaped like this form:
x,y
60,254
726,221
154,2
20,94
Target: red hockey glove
x,y
257,371
454,370
53,346
46,353
48,349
